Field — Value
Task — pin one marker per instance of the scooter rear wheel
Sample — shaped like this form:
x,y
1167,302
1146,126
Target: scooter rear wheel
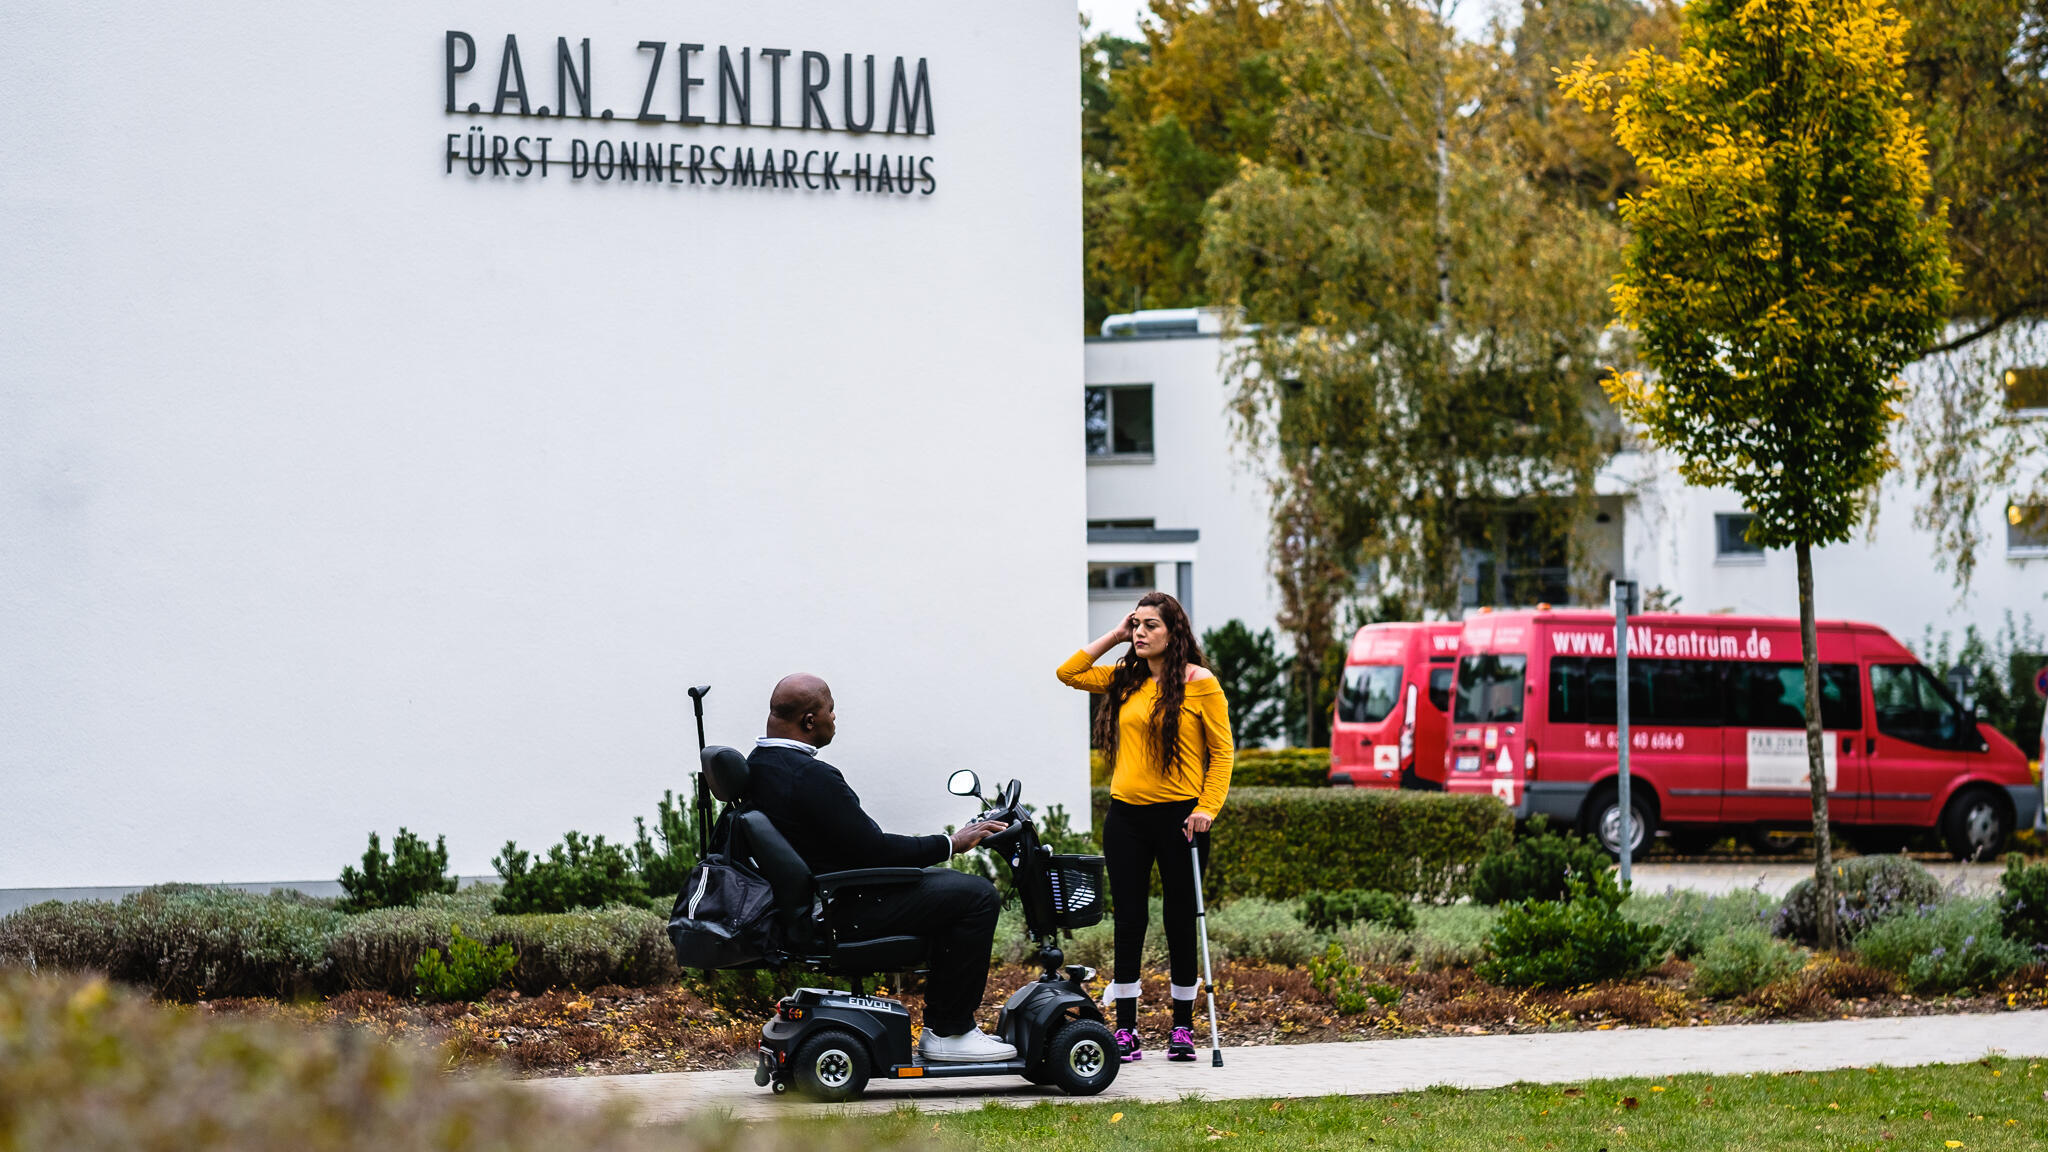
x,y
1082,1058
831,1066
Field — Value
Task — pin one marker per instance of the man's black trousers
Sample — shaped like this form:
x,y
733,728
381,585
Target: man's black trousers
x,y
958,913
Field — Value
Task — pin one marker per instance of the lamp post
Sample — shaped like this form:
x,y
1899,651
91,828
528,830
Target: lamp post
x,y
1624,594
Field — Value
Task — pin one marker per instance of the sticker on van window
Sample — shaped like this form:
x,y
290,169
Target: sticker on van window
x,y
1386,757
1777,759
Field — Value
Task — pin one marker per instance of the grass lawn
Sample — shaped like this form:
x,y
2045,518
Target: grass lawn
x,y
1990,1104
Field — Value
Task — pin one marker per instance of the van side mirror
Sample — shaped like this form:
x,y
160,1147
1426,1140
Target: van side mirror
x,y
964,783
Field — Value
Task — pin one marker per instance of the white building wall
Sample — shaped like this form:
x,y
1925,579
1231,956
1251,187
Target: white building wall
x,y
1199,478
340,492
1888,575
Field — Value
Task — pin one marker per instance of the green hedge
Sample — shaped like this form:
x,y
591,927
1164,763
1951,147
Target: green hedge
x,y
1281,843
1255,768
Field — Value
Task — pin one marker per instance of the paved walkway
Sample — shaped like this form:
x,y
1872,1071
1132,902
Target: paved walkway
x,y
1365,1068
1776,879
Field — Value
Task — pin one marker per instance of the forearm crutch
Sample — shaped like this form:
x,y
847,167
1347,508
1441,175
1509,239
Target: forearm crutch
x,y
1208,979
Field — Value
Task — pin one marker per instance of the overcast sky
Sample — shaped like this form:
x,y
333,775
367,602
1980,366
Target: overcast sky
x,y
1122,16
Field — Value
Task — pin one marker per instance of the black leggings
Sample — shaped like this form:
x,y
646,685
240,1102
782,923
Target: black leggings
x,y
1134,837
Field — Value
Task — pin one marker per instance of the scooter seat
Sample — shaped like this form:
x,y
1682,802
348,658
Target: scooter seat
x,y
881,954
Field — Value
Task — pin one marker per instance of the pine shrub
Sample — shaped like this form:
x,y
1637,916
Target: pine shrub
x,y
663,870
577,873
469,971
1564,943
1538,866
1868,890
412,871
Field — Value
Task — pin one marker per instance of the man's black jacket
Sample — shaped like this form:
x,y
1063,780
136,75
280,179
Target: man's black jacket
x,y
810,804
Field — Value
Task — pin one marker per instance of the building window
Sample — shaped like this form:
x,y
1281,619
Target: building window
x,y
1112,525
1731,537
1121,577
1119,421
2026,530
2026,390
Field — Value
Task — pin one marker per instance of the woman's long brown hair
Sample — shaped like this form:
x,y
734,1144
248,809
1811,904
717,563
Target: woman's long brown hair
x,y
1182,649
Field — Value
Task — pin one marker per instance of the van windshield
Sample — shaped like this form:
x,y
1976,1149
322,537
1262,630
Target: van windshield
x,y
1490,688
1369,693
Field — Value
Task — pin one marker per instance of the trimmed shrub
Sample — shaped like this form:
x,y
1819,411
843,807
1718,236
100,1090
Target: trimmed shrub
x,y
1868,889
1692,920
182,941
1329,911
577,873
2023,902
1253,768
401,879
1539,866
587,948
1282,843
1564,943
90,1068
470,970
1742,960
1944,948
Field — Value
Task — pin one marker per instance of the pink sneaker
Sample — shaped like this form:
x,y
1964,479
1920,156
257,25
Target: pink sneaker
x,y
1129,1047
1181,1046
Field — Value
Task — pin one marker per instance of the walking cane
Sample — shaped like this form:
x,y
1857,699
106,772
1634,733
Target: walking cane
x,y
1208,979
703,800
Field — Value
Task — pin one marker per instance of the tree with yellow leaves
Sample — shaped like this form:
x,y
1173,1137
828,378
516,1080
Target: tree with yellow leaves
x,y
1781,269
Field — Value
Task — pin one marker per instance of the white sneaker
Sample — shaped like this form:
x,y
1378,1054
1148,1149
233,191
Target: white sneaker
x,y
976,1047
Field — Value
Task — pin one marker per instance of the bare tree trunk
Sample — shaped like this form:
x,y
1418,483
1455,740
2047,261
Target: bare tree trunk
x,y
1816,752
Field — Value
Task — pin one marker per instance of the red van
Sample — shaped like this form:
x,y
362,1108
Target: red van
x,y
1393,708
1717,732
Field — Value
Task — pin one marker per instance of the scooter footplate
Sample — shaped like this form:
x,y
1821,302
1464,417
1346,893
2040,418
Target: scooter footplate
x,y
946,1069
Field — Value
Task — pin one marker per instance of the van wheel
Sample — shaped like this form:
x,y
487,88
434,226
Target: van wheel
x,y
1601,819
1975,824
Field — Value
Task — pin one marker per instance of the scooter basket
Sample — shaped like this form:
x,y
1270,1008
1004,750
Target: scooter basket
x,y
1077,890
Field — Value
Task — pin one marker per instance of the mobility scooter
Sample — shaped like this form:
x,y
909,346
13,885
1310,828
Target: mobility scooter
x,y
827,1044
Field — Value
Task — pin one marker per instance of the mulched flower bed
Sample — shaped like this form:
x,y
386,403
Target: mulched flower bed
x,y
617,1030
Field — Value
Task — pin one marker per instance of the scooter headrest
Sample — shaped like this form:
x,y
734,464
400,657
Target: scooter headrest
x,y
726,770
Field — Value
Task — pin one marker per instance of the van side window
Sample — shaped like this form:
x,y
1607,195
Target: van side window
x,y
1774,696
1440,688
1490,689
1676,692
1912,706
1369,693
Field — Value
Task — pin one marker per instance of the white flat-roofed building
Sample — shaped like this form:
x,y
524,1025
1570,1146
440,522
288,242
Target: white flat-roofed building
x,y
1162,459
404,404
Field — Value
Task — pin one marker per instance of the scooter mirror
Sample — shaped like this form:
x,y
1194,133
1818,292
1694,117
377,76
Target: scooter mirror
x,y
964,783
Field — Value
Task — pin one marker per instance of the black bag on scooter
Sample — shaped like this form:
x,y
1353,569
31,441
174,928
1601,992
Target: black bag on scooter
x,y
723,916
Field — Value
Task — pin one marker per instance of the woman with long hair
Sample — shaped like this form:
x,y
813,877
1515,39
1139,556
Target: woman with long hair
x,y
1164,728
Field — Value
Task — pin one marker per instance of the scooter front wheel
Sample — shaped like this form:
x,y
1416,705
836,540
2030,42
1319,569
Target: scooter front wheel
x,y
831,1066
1082,1058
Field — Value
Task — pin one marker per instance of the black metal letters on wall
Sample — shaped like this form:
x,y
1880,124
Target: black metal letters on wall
x,y
669,89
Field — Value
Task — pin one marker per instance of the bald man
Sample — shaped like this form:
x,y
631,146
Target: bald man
x,y
814,809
